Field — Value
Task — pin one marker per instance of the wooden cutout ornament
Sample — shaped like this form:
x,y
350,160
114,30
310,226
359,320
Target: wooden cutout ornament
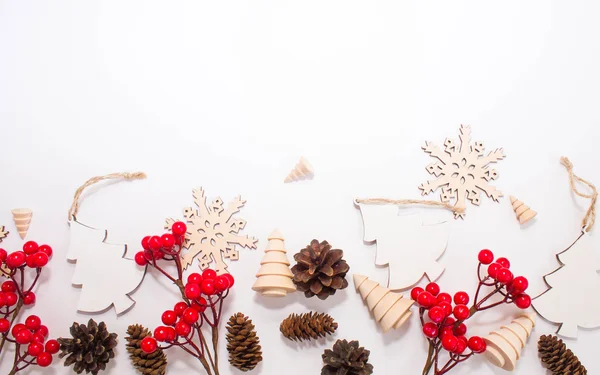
x,y
22,218
462,170
212,232
274,279
524,213
504,346
3,233
390,310
408,244
302,170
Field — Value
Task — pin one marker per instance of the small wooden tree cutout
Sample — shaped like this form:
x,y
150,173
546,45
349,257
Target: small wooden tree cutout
x,y
389,309
524,213
3,233
22,218
504,346
212,232
274,279
462,170
302,170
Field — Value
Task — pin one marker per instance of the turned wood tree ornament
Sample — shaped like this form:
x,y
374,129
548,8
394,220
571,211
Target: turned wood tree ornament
x,y
504,346
524,213
302,170
389,309
22,218
274,278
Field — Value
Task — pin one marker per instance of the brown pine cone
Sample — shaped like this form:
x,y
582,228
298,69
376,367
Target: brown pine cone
x,y
557,358
346,358
307,326
320,270
154,363
242,343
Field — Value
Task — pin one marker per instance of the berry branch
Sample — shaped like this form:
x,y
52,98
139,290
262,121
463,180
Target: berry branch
x,y
29,337
202,301
445,326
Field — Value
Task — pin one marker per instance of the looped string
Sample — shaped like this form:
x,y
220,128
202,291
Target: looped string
x,y
94,180
590,216
455,209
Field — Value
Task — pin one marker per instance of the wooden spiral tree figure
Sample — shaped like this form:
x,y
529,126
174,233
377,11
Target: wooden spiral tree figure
x,y
22,218
524,213
302,170
274,278
389,309
504,346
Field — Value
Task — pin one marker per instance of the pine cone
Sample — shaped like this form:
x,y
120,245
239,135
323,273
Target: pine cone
x,y
346,358
307,326
242,343
154,363
559,359
90,349
320,270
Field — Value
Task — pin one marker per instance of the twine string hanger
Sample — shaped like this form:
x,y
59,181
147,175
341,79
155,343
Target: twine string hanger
x,y
590,216
455,209
94,180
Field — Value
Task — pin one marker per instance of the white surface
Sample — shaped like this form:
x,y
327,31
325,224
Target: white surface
x,y
228,95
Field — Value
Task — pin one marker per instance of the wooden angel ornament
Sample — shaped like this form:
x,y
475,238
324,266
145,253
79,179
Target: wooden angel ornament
x,y
504,346
274,279
302,170
22,218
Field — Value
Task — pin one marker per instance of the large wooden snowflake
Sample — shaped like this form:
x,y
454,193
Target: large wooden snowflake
x,y
212,232
462,170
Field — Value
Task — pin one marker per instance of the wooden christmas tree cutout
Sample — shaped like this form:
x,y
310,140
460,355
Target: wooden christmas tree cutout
x,y
274,279
302,170
3,233
22,218
212,232
524,213
408,244
389,309
462,170
504,346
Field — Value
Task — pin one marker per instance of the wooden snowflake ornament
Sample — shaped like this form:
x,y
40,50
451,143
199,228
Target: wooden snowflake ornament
x,y
462,170
212,232
3,233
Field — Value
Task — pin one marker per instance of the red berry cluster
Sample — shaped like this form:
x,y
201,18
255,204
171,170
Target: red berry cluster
x,y
32,256
33,334
500,276
158,247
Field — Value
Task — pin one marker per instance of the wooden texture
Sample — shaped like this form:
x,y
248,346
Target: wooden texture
x,y
389,309
274,278
3,233
408,244
462,170
524,213
504,346
301,171
22,218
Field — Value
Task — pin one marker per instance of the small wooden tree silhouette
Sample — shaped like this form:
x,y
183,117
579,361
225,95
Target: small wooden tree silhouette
x,y
274,279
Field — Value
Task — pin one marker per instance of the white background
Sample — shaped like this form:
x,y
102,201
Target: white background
x,y
228,95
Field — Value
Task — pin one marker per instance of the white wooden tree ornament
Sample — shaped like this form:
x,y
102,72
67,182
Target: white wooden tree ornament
x,y
106,277
408,244
389,309
462,170
524,213
504,346
302,170
22,218
274,279
212,232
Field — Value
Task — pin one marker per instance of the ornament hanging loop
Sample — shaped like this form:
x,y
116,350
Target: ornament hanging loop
x,y
94,180
455,209
590,216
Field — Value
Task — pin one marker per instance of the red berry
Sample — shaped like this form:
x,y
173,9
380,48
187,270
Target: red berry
x,y
430,330
29,261
148,345
229,278
4,325
209,274
171,335
426,300
155,243
198,307
436,314
446,307
503,262
11,298
485,256
195,278
44,359
449,342
414,293
30,247
523,301
192,291
9,286
445,331
168,240
161,333
504,276
16,259
40,259
146,243
519,285
221,283
449,321
493,269
208,287
180,308
140,258
169,318
179,228
38,338
33,322
17,328
3,255
182,329
460,330
23,337
433,288
476,344
34,349
462,345
444,297
461,298
29,298
2,299
461,312
46,250
52,346
190,316
43,331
